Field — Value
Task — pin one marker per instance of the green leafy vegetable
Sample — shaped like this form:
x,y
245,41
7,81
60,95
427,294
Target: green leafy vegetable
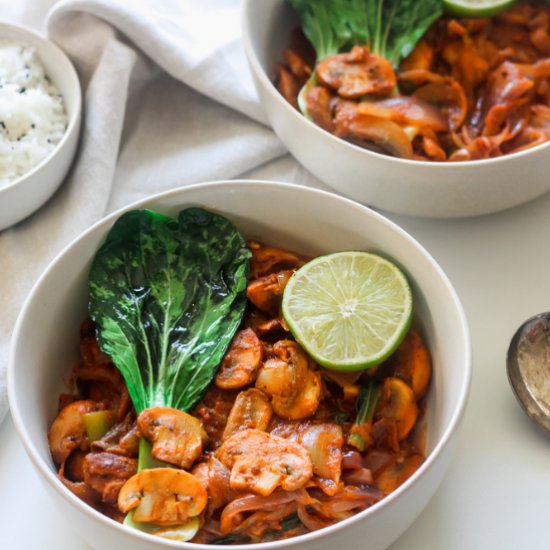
x,y
395,26
167,296
324,26
390,27
145,458
340,417
290,522
366,406
233,538
97,424
366,403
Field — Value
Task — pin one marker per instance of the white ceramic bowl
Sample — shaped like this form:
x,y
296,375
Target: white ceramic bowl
x,y
46,337
440,190
26,194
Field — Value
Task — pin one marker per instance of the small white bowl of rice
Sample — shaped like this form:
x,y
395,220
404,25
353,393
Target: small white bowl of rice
x,y
40,113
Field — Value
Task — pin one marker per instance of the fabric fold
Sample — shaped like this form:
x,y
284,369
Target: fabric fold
x,y
195,42
168,101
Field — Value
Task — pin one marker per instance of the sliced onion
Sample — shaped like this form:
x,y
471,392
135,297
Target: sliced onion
x,y
230,515
406,110
352,460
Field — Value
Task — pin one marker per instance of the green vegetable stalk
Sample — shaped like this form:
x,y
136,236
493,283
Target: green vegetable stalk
x,y
167,296
366,406
145,458
391,28
97,424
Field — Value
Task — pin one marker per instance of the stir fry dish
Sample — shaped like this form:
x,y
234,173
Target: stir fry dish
x,y
224,430
409,81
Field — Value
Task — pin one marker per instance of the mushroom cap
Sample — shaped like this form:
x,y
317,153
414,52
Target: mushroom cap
x,y
163,496
176,437
261,462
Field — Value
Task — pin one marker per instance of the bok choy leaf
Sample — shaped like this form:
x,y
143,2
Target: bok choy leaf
x,y
391,28
366,407
167,296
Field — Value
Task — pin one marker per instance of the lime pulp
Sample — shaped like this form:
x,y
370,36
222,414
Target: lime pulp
x,y
348,310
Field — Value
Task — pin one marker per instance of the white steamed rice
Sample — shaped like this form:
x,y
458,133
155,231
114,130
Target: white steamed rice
x,y
33,118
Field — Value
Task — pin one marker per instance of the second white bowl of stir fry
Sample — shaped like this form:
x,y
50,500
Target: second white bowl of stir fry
x,y
161,416
424,113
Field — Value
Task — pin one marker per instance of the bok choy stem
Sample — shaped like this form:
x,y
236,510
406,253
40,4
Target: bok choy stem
x,y
366,406
167,296
391,28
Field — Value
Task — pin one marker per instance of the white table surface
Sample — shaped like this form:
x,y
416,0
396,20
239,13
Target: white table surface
x,y
496,493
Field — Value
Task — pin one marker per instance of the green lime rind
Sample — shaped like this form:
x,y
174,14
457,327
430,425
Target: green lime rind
x,y
473,8
348,310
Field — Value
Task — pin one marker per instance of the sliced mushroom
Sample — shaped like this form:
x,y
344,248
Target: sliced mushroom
x,y
279,379
106,473
397,403
266,259
261,462
306,401
250,410
412,363
357,73
294,388
67,432
319,107
240,364
163,496
177,437
266,293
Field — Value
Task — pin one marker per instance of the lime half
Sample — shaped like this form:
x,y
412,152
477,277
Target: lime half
x,y
476,8
349,310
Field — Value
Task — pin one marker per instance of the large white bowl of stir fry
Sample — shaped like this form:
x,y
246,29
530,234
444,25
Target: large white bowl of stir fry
x,y
404,106
182,418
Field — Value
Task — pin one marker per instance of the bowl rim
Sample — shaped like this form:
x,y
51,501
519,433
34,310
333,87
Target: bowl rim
x,y
462,394
73,120
269,86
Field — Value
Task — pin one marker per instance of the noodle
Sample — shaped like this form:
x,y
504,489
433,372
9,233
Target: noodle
x,y
274,465
471,89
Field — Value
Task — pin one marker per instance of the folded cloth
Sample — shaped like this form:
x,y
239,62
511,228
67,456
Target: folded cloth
x,y
168,101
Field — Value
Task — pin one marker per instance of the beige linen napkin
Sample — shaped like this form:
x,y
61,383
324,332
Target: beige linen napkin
x,y
168,101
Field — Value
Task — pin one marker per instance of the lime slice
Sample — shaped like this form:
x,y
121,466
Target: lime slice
x,y
476,8
349,310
